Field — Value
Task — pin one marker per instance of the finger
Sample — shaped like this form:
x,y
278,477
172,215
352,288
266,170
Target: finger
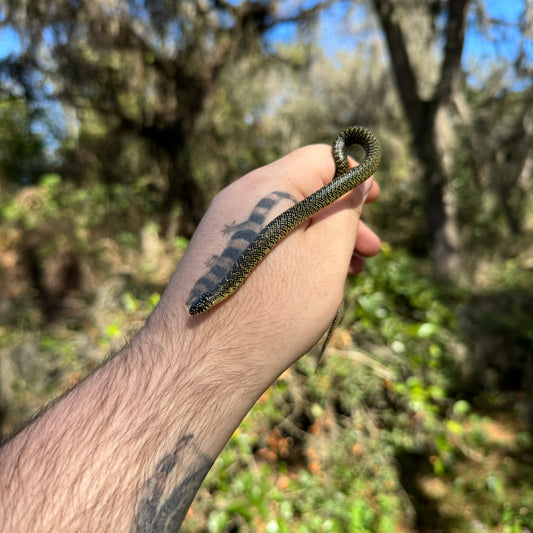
x,y
303,170
357,265
374,192
368,243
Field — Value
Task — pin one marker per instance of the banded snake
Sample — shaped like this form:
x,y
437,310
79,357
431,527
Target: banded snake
x,y
344,180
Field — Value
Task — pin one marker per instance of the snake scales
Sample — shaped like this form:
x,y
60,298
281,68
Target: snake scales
x,y
344,180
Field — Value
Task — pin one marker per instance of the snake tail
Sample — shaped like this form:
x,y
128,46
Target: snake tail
x,y
329,335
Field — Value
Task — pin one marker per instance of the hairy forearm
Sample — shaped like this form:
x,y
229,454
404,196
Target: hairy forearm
x,y
128,448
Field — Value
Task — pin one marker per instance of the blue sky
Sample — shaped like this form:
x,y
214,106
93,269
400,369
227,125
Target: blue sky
x,y
478,48
335,36
501,43
475,46
9,42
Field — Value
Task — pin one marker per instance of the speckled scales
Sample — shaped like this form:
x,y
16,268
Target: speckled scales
x,y
345,180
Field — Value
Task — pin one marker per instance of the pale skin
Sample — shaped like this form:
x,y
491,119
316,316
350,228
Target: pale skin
x,y
128,448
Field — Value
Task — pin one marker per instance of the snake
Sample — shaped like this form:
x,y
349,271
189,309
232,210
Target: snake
x,y
344,180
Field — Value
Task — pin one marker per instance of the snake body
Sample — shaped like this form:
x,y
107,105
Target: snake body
x,y
344,180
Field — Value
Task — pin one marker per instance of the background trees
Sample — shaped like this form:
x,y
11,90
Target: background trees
x,y
120,120
139,72
446,25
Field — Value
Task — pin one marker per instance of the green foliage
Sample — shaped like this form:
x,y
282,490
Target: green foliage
x,y
349,448
75,281
489,181
343,449
21,151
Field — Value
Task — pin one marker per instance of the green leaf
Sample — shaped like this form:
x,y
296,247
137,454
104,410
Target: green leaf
x,y
153,300
454,427
426,330
460,408
130,303
272,527
217,520
113,330
50,181
181,243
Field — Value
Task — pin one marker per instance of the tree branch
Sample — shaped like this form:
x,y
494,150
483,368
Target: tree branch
x,y
453,51
401,65
302,15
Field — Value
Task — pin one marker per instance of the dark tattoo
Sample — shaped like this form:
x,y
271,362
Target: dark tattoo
x,y
156,517
242,234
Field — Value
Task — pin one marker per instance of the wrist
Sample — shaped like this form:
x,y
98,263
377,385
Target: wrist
x,y
230,343
197,354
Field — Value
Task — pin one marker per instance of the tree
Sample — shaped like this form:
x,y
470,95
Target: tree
x,y
147,69
500,164
22,156
435,36
422,112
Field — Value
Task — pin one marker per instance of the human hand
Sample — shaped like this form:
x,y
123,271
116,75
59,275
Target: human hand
x,y
167,403
290,298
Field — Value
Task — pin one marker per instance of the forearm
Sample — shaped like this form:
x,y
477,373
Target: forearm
x,y
128,448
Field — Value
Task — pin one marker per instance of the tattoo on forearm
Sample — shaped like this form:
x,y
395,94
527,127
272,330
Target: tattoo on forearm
x,y
241,235
154,516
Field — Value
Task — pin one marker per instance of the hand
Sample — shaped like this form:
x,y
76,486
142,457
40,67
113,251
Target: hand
x,y
290,299
128,448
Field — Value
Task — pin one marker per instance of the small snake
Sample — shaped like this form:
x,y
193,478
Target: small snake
x,y
344,180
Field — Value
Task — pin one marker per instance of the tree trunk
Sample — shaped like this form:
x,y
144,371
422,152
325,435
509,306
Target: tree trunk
x,y
183,191
422,116
441,232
